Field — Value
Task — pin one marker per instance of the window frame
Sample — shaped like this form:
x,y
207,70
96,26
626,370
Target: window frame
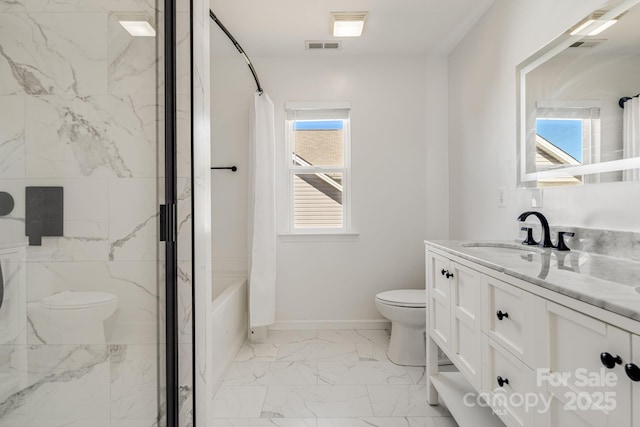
x,y
293,170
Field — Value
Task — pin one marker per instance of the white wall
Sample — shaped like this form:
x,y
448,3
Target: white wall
x,y
388,95
482,128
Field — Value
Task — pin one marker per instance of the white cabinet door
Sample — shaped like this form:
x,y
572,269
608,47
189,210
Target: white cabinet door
x,y
439,299
575,380
465,321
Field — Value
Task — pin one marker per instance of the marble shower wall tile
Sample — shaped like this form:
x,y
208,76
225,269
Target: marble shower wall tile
x,y
133,62
185,218
79,392
12,142
134,382
93,136
185,308
133,226
77,5
185,374
50,53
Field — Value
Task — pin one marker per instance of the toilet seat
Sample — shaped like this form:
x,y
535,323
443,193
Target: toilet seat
x,y
69,300
411,298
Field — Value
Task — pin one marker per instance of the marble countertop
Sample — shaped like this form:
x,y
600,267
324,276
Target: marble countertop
x,y
607,282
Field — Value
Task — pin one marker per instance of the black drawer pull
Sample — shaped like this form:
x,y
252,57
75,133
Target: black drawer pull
x,y
443,272
502,381
610,361
633,372
449,275
500,315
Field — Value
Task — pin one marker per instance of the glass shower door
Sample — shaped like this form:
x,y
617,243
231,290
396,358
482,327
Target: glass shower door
x,y
82,311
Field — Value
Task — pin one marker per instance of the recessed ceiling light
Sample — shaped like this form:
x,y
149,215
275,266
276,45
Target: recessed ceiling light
x,y
138,28
348,24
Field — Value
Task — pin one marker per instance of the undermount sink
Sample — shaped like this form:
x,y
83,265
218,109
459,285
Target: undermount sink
x,y
501,247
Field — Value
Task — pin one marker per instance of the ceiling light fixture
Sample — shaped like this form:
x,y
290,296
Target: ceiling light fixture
x,y
138,28
602,25
348,24
595,23
582,27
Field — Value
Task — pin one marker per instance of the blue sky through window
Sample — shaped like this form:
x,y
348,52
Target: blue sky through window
x,y
566,134
318,125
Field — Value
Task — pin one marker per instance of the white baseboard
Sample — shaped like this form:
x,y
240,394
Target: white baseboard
x,y
330,324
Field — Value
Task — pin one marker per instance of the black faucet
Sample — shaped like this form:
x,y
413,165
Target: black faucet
x,y
546,238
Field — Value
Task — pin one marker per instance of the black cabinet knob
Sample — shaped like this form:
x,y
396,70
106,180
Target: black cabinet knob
x,y
449,275
443,272
500,315
610,361
502,381
633,372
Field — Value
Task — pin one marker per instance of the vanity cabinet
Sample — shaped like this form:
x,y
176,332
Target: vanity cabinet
x,y
455,298
511,344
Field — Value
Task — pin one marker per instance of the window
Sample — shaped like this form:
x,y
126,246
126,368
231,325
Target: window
x,y
318,140
567,134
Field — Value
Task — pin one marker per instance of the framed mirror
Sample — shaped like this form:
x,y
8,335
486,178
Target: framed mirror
x,y
578,104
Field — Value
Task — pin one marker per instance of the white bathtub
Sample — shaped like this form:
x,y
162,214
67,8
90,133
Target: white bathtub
x,y
229,321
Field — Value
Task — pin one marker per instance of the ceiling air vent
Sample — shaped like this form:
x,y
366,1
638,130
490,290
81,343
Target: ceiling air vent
x,y
323,45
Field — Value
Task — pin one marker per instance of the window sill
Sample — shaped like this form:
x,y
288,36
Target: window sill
x,y
319,237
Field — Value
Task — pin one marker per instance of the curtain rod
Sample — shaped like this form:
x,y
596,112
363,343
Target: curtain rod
x,y
624,99
237,45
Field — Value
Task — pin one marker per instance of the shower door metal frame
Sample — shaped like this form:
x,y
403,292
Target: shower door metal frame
x,y
168,225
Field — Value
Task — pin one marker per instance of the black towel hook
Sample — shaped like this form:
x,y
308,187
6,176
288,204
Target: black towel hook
x,y
231,168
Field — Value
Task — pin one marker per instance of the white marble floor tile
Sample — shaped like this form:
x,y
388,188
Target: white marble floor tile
x,y
272,373
314,351
132,423
402,400
362,373
351,336
372,352
238,402
317,401
441,422
292,336
251,351
265,422
373,422
416,373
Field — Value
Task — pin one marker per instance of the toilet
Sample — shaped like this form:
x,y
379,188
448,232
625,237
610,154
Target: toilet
x,y
406,309
71,317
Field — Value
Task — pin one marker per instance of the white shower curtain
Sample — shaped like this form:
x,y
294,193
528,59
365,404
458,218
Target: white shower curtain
x,y
631,136
262,214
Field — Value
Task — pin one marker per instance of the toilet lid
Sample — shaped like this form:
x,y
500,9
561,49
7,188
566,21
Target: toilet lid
x,y
404,297
69,300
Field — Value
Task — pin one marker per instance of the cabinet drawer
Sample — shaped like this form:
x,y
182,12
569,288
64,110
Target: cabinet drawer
x,y
509,318
518,381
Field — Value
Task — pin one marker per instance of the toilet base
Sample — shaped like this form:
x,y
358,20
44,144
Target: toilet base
x,y
407,346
